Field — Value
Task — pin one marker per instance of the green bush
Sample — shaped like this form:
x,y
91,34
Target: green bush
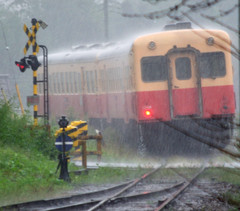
x,y
25,176
17,130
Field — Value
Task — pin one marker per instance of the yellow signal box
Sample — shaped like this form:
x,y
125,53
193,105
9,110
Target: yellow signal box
x,y
74,130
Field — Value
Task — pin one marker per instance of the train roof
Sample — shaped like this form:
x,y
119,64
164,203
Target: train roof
x,y
100,51
108,50
89,52
178,34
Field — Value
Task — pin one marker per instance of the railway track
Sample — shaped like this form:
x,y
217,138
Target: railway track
x,y
140,194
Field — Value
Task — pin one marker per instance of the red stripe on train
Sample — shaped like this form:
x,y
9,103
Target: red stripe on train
x,y
215,101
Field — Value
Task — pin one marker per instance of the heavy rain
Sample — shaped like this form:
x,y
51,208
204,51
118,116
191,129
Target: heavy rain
x,y
157,79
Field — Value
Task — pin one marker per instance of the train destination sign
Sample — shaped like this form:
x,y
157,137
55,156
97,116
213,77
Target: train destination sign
x,y
60,142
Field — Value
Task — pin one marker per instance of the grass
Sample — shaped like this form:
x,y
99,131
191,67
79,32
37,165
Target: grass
x,y
27,156
230,176
232,198
25,175
107,175
223,175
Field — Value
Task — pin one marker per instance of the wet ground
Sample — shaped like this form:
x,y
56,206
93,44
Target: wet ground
x,y
205,194
202,195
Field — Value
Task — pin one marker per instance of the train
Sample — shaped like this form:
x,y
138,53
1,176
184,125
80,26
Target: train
x,y
180,77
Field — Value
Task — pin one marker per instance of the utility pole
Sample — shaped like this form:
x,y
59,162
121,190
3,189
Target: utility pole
x,y
106,20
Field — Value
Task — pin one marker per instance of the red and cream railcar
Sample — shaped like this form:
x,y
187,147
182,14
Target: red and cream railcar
x,y
97,86
170,76
184,73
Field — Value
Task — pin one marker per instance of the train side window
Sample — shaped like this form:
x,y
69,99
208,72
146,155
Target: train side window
x,y
95,81
88,81
104,79
154,68
57,78
62,82
212,65
70,82
79,90
54,83
50,83
75,83
183,68
92,82
109,73
66,75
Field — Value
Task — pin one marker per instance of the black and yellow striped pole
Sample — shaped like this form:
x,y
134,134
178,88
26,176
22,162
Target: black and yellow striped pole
x,y
35,49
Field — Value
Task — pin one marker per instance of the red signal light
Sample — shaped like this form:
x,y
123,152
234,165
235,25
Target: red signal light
x,y
22,64
147,113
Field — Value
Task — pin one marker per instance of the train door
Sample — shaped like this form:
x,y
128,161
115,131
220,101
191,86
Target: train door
x,y
184,89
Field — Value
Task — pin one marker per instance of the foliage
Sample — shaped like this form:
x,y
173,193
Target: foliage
x,y
24,174
232,199
16,130
223,175
25,150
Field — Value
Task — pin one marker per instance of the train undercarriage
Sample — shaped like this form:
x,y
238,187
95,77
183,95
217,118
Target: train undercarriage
x,y
187,137
190,137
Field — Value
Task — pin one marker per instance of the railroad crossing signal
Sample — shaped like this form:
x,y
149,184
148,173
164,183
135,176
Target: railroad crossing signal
x,y
27,62
33,62
32,37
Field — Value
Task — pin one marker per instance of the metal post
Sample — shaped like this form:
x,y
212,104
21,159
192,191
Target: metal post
x,y
63,161
84,154
99,148
45,85
63,122
34,30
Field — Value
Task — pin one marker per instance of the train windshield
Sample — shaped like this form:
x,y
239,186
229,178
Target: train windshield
x,y
154,68
183,68
212,65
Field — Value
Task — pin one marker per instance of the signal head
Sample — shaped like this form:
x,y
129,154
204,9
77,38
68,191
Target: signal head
x,y
63,122
22,64
33,62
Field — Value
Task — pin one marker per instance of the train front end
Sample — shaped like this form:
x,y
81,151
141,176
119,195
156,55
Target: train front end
x,y
184,78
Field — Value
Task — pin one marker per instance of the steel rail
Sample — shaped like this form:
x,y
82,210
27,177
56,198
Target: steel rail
x,y
124,189
180,190
55,201
121,199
